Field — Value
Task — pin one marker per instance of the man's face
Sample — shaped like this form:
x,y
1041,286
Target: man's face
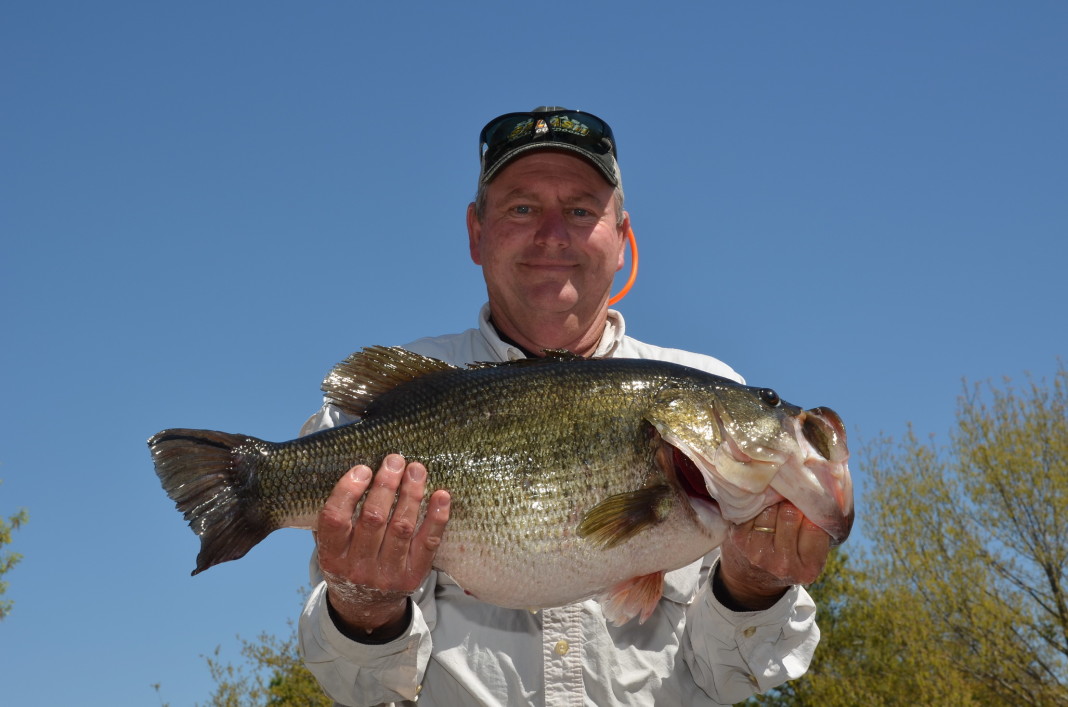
x,y
548,240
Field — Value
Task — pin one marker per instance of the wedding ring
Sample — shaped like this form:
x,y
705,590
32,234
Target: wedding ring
x,y
763,529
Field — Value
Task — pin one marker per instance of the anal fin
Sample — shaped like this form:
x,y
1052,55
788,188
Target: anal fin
x,y
637,596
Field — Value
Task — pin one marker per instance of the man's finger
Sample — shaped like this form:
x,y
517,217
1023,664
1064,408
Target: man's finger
x,y
393,557
760,538
787,523
370,525
813,545
334,524
428,539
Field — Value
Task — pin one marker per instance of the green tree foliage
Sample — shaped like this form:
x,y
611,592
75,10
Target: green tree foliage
x,y
273,675
961,597
9,559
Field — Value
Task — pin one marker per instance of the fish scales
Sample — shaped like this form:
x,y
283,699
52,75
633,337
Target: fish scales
x,y
554,438
557,469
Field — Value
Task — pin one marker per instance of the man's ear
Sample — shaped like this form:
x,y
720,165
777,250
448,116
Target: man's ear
x,y
624,229
474,234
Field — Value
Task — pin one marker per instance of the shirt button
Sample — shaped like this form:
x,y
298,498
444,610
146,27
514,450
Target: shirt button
x,y
748,633
561,648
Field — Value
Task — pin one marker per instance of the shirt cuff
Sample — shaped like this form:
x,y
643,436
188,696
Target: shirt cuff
x,y
754,651
339,663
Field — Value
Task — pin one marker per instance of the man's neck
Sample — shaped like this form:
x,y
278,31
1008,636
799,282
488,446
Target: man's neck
x,y
579,340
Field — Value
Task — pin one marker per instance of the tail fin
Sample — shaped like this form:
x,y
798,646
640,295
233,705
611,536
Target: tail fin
x,y
208,476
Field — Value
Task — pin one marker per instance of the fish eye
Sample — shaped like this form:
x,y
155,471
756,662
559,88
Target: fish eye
x,y
769,396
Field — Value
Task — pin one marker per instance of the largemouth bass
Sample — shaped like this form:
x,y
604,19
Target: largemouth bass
x,y
570,478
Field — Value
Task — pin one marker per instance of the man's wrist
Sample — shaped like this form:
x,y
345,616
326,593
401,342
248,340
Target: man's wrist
x,y
389,630
739,601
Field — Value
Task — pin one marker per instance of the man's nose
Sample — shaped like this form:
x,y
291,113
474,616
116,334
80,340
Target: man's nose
x,y
552,230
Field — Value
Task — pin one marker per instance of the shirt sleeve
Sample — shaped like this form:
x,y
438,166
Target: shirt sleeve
x,y
733,655
355,673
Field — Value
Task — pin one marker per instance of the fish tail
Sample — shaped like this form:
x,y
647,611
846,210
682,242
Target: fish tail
x,y
211,479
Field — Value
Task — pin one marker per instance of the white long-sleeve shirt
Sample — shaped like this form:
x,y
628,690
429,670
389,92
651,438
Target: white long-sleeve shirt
x,y
461,651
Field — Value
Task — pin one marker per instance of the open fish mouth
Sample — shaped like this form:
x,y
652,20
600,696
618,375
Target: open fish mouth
x,y
823,429
741,477
822,439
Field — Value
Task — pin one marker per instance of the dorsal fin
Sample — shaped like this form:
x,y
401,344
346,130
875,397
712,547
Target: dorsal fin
x,y
562,354
551,356
372,371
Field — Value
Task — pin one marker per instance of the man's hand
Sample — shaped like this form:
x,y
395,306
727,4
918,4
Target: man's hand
x,y
374,560
763,557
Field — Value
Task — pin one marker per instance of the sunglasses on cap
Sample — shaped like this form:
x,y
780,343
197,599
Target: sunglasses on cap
x,y
513,133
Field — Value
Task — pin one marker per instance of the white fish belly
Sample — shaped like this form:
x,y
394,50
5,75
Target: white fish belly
x,y
566,568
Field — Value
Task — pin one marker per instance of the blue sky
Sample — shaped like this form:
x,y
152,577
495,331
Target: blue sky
x,y
207,205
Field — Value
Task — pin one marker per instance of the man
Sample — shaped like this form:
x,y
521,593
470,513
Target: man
x,y
548,229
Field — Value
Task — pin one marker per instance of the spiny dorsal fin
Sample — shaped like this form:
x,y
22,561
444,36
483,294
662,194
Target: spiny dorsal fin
x,y
372,371
562,354
551,356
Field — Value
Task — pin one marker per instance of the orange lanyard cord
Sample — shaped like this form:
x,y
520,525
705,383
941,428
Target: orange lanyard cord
x,y
633,269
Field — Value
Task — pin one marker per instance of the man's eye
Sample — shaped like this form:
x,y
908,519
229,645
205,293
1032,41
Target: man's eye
x,y
581,213
521,209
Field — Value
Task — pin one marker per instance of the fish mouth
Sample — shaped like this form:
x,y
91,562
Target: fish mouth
x,y
738,479
823,429
822,437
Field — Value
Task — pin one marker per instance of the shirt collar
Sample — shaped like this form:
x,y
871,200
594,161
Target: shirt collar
x,y
614,329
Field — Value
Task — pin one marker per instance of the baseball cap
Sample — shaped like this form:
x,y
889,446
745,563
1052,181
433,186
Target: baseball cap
x,y
547,127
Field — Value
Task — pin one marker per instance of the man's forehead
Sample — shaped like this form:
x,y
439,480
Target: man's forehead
x,y
555,189
553,164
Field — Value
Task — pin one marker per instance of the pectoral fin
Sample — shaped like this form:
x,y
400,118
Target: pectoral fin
x,y
637,596
619,518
